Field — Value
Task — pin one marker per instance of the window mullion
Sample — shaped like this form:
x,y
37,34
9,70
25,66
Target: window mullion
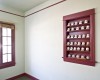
x,y
0,46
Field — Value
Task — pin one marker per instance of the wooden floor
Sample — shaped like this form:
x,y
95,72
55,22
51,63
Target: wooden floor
x,y
23,78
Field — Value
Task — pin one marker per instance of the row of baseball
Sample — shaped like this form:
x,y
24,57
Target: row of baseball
x,y
78,56
78,48
78,28
78,23
78,43
78,36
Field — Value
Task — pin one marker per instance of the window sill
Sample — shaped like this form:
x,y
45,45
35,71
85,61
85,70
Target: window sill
x,y
6,65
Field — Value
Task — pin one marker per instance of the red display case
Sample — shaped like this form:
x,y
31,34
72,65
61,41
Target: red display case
x,y
79,37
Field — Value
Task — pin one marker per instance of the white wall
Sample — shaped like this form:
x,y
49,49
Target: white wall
x,y
44,42
19,43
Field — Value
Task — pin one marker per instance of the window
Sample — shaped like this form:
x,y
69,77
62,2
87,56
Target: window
x,y
7,45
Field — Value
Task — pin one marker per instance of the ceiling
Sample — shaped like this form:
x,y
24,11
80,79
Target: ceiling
x,y
22,5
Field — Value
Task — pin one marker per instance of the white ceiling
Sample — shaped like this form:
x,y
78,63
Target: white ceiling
x,y
22,5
